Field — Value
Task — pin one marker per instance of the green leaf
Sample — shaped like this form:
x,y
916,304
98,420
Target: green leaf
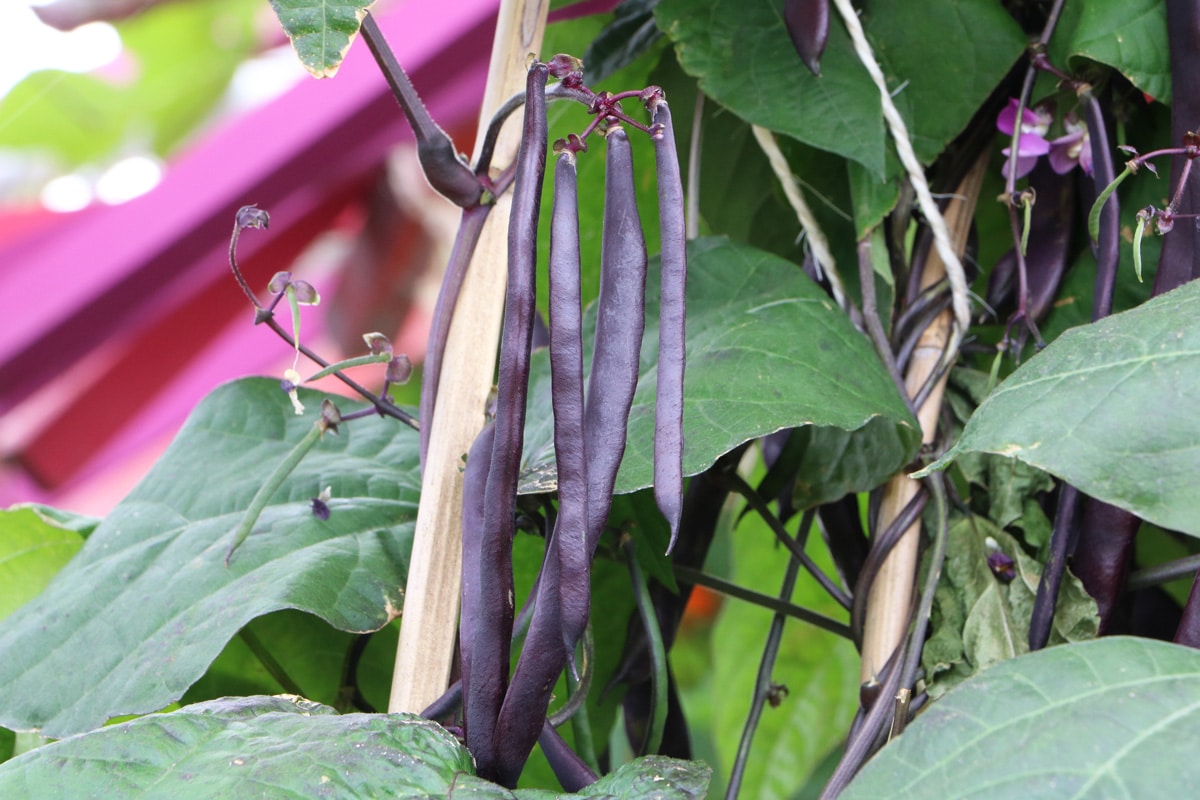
x,y
979,620
1108,407
631,33
149,599
837,462
321,30
745,60
1114,717
767,350
33,548
1130,35
654,777
266,746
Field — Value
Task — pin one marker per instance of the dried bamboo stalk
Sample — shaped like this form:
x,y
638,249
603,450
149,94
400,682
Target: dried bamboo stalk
x,y
890,600
430,615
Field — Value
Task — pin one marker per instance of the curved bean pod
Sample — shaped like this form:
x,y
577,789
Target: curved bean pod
x,y
668,402
620,322
445,170
489,670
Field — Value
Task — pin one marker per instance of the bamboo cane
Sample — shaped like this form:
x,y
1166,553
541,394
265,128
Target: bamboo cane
x,y
889,603
430,615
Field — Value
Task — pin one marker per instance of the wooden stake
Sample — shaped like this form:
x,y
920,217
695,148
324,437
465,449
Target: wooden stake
x,y
430,615
890,601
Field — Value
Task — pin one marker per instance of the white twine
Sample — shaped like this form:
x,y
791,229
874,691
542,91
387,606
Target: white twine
x,y
916,176
808,222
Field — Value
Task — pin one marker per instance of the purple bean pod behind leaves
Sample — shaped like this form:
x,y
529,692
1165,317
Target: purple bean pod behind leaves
x,y
1103,555
1177,263
1107,247
807,23
489,670
620,323
1048,250
668,403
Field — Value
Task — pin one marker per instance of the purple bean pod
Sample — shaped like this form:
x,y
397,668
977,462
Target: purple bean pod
x,y
489,670
479,462
807,23
620,323
1103,554
1177,263
566,370
444,168
1048,252
443,314
564,586
668,403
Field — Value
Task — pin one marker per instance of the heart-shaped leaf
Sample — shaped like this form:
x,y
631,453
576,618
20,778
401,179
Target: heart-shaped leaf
x,y
1110,408
321,30
148,603
766,350
1114,717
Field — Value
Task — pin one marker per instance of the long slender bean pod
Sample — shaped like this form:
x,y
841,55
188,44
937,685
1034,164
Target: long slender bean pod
x,y
1177,263
566,369
564,586
489,671
668,402
479,462
620,322
465,241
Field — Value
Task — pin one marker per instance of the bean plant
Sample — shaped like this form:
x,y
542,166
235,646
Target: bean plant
x,y
870,327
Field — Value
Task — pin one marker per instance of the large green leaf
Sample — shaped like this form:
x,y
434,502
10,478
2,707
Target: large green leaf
x,y
1129,35
767,350
148,603
1109,407
286,746
33,547
321,30
240,747
979,619
1115,717
745,60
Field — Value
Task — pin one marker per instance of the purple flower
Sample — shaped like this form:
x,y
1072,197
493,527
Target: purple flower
x,y
1074,148
1031,144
